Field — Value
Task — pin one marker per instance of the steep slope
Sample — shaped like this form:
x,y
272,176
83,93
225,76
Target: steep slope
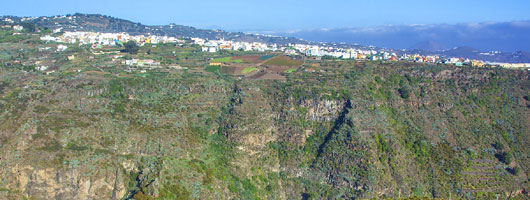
x,y
347,130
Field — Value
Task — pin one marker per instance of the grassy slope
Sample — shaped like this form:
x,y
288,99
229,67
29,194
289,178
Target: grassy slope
x,y
400,129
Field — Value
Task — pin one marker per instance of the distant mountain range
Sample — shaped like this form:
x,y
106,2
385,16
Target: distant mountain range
x,y
472,53
503,36
482,41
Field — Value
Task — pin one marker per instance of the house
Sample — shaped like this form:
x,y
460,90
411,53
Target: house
x,y
176,67
476,63
42,68
18,28
216,64
225,46
8,20
131,62
58,30
72,57
61,47
211,47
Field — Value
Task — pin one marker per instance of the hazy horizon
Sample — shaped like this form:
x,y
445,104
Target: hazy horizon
x,y
382,23
282,15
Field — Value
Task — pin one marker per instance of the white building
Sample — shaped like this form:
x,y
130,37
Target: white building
x,y
18,27
210,47
61,47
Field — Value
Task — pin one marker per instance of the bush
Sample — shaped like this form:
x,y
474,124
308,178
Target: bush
x,y
131,47
404,92
41,109
505,157
517,171
499,146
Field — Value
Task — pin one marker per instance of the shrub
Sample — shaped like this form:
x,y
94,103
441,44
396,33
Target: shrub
x,y
517,171
499,146
404,92
505,157
41,109
131,47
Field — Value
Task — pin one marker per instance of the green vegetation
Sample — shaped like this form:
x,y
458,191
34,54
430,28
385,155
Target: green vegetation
x,y
187,130
248,70
226,60
131,47
28,27
266,57
7,36
213,69
290,71
505,157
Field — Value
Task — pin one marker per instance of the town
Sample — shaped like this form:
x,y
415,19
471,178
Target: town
x,y
98,40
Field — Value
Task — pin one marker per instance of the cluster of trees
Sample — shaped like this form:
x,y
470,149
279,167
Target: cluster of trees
x,y
131,47
29,27
506,157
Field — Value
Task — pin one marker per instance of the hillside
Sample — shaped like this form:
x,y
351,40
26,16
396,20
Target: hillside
x,y
94,128
102,23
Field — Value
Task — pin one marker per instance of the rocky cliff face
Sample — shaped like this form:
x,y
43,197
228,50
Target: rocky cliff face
x,y
52,183
364,131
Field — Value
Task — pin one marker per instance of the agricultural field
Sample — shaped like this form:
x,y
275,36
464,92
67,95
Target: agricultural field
x,y
226,60
288,71
249,59
266,57
283,61
248,70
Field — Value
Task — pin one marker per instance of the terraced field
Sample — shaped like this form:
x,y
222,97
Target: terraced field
x,y
283,61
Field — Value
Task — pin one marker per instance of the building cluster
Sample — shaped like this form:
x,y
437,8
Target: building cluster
x,y
216,45
358,54
98,40
108,39
141,62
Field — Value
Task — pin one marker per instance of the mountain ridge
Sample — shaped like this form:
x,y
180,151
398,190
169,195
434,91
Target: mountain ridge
x,y
103,23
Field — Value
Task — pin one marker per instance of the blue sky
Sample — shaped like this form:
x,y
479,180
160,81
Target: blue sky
x,y
281,14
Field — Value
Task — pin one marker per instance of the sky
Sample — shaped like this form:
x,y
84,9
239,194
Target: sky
x,y
249,15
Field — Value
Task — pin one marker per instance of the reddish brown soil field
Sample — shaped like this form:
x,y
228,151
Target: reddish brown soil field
x,y
262,75
278,69
283,61
248,59
234,69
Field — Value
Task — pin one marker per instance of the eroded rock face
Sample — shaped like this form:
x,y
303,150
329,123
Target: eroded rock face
x,y
324,110
53,183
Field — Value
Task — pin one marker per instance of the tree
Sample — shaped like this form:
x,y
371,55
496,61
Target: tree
x,y
131,47
29,27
